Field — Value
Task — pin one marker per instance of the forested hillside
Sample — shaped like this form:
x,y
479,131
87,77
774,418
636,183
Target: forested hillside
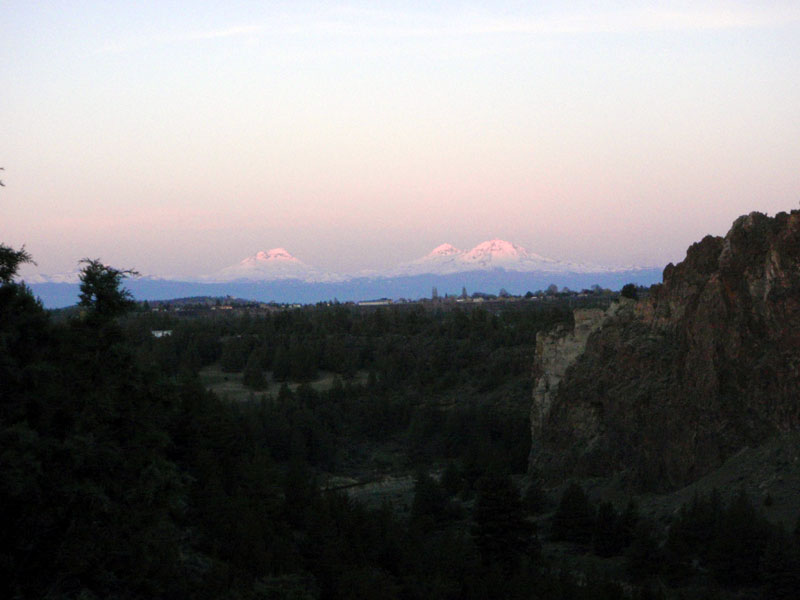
x,y
122,476
431,381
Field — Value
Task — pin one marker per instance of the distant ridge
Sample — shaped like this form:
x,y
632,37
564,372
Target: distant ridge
x,y
272,265
277,275
278,264
491,254
412,287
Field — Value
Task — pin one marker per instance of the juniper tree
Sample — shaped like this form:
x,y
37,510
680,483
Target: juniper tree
x,y
10,262
102,291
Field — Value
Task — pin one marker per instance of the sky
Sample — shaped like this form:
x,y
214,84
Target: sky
x,y
177,138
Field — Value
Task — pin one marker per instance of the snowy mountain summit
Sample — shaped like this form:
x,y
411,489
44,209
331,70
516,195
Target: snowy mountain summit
x,y
274,254
273,265
492,254
499,253
278,264
443,250
73,276
277,276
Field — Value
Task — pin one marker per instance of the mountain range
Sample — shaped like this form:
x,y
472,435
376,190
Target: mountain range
x,y
446,259
272,265
277,275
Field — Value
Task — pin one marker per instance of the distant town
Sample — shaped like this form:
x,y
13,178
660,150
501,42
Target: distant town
x,y
229,305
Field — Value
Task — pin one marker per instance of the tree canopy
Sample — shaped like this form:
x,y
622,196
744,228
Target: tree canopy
x,y
10,261
102,291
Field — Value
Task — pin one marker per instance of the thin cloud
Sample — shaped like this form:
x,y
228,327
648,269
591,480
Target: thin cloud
x,y
347,22
585,22
128,45
244,30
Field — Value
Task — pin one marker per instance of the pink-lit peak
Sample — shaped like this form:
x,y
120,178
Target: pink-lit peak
x,y
274,254
496,249
444,250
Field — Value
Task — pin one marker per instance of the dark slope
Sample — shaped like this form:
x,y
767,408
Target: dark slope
x,y
671,386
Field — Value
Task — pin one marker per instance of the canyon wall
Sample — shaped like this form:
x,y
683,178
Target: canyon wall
x,y
662,390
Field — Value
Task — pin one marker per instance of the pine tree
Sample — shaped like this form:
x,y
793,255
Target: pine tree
x,y
101,289
10,262
190,361
605,538
501,532
429,506
253,375
574,517
281,367
535,499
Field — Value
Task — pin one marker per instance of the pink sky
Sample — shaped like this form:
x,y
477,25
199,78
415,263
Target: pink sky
x,y
178,138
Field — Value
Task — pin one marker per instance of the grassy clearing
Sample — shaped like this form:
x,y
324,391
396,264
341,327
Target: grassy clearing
x,y
230,386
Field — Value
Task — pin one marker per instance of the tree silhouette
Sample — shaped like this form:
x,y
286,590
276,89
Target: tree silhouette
x,y
574,518
253,376
629,291
101,289
501,532
10,262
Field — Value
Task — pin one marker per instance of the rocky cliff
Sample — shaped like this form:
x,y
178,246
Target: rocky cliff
x,y
556,351
663,390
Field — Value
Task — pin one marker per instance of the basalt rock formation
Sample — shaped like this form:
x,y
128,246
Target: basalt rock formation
x,y
663,390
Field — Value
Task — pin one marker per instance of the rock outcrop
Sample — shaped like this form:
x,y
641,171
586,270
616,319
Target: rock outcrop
x,y
556,351
663,390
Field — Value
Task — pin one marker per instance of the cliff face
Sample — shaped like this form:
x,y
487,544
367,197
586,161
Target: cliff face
x,y
556,351
662,390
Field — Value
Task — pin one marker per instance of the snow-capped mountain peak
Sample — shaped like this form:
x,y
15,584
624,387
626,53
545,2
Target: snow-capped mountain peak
x,y
279,264
274,254
270,265
443,250
73,276
496,250
488,255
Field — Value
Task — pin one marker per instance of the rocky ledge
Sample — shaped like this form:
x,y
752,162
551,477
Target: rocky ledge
x,y
663,390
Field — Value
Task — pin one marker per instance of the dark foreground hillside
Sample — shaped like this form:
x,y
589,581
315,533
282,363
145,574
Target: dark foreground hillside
x,y
669,387
122,476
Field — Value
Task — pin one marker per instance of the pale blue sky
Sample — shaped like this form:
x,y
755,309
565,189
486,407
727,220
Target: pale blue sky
x,y
179,137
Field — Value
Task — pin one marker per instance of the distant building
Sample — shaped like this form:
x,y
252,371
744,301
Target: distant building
x,y
379,302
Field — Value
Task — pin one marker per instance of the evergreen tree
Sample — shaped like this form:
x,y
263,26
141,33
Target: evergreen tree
x,y
780,566
629,291
102,291
281,366
605,534
303,361
739,543
452,481
89,494
628,522
645,558
190,361
235,352
253,375
574,518
429,506
501,532
535,498
10,262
